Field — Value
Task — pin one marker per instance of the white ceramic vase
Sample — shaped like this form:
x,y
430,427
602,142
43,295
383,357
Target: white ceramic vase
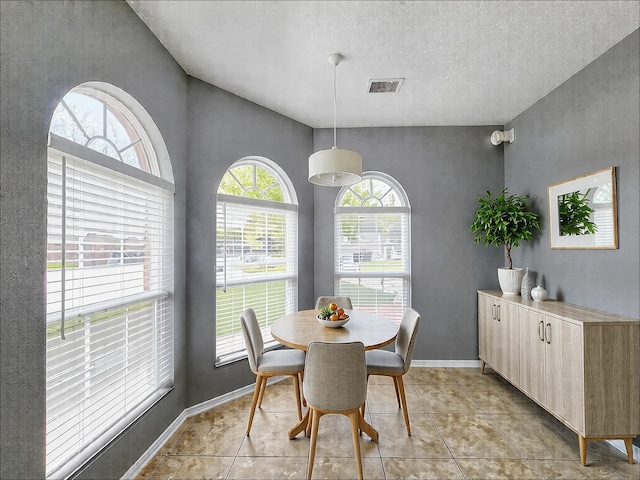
x,y
510,280
539,294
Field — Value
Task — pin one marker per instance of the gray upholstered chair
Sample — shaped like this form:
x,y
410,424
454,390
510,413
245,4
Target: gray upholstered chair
x,y
396,364
269,364
335,381
343,302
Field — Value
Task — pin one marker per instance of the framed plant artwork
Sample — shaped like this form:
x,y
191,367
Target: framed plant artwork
x,y
582,212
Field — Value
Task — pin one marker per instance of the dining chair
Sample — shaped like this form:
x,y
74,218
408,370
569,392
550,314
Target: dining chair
x,y
396,364
342,302
336,383
273,363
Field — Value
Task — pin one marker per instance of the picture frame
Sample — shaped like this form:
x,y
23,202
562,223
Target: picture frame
x,y
583,212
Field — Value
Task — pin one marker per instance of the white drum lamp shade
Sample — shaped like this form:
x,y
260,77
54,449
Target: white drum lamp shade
x,y
335,167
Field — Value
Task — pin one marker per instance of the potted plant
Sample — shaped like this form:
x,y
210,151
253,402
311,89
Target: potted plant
x,y
505,220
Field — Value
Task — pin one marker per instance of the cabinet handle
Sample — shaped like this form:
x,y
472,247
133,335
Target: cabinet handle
x,y
493,311
541,331
547,333
498,309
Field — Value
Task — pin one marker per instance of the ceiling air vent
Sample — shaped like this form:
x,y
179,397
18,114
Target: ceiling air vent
x,y
385,85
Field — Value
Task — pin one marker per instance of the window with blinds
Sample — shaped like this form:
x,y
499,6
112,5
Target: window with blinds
x,y
603,216
256,254
109,282
372,245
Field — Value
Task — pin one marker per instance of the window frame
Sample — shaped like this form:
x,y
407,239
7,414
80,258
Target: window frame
x,y
153,340
353,272
288,207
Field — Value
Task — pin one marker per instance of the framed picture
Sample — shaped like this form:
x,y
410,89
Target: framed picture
x,y
582,212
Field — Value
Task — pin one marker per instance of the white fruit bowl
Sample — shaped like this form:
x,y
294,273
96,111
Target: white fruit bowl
x,y
332,323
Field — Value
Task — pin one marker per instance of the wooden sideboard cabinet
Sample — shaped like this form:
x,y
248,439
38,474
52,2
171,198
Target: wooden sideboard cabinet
x,y
579,364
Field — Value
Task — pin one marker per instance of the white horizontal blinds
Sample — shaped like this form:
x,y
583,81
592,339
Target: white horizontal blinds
x,y
109,312
372,246
603,218
603,215
111,221
255,259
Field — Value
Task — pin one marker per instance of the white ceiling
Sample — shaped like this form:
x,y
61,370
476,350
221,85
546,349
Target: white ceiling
x,y
464,62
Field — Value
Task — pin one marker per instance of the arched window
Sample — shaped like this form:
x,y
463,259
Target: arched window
x,y
372,245
256,251
109,271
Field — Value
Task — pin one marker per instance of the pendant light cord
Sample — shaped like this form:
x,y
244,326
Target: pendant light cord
x,y
334,105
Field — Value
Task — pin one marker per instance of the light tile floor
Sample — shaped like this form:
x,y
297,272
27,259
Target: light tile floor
x,y
464,426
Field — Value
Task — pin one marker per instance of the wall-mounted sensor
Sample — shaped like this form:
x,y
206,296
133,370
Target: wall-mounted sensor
x,y
498,136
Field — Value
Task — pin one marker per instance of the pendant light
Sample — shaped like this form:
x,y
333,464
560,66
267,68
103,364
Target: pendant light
x,y
335,167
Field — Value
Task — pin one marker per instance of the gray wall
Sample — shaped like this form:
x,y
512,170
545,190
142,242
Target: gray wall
x,y
589,123
443,170
48,48
226,128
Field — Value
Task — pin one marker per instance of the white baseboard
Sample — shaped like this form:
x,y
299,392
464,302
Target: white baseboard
x,y
446,363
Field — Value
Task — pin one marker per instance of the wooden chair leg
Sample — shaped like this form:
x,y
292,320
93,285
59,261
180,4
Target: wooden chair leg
x,y
315,420
404,403
395,385
354,416
307,430
264,386
254,401
364,404
296,388
304,400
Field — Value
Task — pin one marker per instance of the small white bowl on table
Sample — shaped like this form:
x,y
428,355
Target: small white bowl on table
x,y
332,323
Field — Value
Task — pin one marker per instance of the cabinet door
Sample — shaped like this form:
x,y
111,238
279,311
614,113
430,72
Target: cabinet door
x,y
510,354
497,340
564,370
498,336
532,354
486,313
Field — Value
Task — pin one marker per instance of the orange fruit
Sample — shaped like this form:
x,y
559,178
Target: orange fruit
x,y
333,317
341,316
333,306
340,311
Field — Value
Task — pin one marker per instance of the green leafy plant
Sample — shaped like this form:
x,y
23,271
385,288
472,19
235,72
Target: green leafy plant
x,y
504,220
326,312
575,213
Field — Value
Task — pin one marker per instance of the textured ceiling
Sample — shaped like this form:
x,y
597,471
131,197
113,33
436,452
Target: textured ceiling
x,y
464,62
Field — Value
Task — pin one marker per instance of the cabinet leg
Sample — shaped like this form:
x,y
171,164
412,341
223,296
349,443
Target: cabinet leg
x,y
629,446
583,449
482,364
